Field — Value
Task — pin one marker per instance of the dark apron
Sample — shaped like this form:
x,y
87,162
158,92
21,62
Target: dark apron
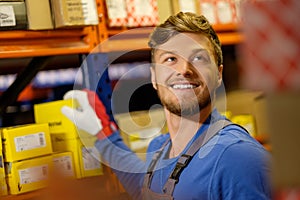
x,y
182,162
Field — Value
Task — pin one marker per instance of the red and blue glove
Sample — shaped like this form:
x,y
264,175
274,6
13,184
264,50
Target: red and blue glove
x,y
91,115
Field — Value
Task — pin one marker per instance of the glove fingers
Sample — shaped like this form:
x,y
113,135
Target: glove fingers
x,y
69,113
79,95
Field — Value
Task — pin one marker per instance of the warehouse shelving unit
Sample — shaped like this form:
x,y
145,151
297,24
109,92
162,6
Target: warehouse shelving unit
x,y
41,46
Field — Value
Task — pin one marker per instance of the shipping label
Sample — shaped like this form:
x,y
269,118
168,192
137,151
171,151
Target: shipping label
x,y
31,141
64,164
34,174
7,16
91,158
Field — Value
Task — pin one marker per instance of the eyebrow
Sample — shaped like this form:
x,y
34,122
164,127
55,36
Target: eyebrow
x,y
167,52
200,50
194,51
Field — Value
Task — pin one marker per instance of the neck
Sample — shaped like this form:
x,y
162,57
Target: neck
x,y
182,129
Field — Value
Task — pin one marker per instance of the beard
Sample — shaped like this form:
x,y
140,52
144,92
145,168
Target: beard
x,y
185,105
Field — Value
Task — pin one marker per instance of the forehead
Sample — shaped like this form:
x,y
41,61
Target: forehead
x,y
184,43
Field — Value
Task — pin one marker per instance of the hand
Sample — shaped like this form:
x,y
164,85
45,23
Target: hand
x,y
91,115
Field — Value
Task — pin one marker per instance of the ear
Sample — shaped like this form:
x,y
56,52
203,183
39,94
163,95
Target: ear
x,y
153,77
220,75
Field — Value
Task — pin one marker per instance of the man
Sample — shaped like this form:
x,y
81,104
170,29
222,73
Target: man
x,y
203,156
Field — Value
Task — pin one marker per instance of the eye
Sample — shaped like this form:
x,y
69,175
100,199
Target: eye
x,y
199,57
170,59
202,57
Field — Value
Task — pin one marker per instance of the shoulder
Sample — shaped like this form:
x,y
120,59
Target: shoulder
x,y
243,165
157,142
239,146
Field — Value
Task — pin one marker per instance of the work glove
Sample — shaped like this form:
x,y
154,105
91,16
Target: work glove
x,y
91,114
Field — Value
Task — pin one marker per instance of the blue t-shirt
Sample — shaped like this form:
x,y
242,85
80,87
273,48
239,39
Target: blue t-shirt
x,y
232,165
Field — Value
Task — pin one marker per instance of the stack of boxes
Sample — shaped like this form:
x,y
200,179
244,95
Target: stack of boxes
x,y
27,157
47,14
65,137
137,13
32,153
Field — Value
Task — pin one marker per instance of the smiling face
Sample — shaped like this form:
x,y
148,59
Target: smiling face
x,y
185,73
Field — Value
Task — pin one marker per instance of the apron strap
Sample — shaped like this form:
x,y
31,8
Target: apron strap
x,y
184,160
156,156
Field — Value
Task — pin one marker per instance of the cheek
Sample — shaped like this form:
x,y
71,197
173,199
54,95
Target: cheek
x,y
209,76
162,74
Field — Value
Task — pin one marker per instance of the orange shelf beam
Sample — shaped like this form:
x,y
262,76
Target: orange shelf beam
x,y
15,44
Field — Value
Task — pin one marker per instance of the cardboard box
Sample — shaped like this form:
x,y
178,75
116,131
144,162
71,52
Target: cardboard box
x,y
68,13
164,10
39,14
3,185
28,175
86,157
142,13
249,103
208,9
66,137
283,121
140,127
59,124
13,16
185,6
247,121
117,13
25,141
63,164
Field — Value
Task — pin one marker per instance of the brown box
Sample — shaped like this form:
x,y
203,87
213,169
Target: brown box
x,y
244,102
283,111
39,14
185,6
165,9
13,16
68,13
140,127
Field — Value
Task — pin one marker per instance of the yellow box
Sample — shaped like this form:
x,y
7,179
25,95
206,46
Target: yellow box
x,y
140,127
26,141
3,186
89,157
85,164
28,175
247,121
58,123
63,164
66,137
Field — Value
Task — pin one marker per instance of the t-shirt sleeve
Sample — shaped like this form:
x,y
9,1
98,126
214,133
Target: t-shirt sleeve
x,y
242,172
128,167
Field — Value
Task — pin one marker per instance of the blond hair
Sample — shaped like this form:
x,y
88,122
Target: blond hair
x,y
186,22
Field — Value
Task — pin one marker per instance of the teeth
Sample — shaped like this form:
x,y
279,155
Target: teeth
x,y
183,86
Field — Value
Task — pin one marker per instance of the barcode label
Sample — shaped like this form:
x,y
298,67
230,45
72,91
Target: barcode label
x,y
42,139
64,165
7,16
31,141
91,158
34,174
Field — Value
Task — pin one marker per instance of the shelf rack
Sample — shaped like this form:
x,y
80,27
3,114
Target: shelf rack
x,y
42,45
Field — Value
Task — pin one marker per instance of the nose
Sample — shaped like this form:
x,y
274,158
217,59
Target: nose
x,y
184,68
